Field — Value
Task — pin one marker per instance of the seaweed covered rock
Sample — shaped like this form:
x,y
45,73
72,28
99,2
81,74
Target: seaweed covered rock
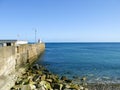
x,y
38,77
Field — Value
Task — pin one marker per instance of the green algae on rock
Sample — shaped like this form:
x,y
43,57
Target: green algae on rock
x,y
38,77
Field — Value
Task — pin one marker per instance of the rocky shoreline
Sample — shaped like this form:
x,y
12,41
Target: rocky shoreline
x,y
38,77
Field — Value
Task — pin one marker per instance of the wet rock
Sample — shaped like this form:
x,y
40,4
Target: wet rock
x,y
48,76
46,85
51,76
81,87
55,80
36,78
46,71
43,77
84,79
64,78
60,81
49,80
36,66
68,81
39,72
56,76
57,86
74,86
84,84
67,86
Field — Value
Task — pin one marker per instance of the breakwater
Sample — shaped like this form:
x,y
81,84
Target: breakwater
x,y
13,58
37,77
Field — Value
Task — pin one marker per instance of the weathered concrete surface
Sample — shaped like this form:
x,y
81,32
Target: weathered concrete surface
x,y
7,60
28,53
13,58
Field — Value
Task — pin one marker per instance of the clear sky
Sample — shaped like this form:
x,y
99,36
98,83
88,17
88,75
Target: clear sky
x,y
61,20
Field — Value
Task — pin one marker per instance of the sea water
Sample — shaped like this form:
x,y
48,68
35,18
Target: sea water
x,y
99,62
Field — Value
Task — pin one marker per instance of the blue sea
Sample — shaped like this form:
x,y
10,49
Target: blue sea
x,y
99,62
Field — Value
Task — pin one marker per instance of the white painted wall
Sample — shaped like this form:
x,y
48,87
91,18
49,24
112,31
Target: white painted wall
x,y
21,42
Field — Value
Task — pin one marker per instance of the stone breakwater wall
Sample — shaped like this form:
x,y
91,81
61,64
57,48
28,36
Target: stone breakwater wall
x,y
12,58
28,53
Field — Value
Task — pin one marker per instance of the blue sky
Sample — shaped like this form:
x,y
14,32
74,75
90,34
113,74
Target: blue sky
x,y
61,20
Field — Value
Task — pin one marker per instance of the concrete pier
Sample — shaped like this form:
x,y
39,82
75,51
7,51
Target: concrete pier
x,y
13,58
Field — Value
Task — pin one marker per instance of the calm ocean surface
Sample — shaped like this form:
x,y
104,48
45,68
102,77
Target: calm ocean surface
x,y
99,62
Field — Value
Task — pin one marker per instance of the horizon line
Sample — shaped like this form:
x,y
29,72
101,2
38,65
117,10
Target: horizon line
x,y
82,42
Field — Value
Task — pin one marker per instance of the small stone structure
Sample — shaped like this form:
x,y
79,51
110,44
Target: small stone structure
x,y
12,42
12,58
